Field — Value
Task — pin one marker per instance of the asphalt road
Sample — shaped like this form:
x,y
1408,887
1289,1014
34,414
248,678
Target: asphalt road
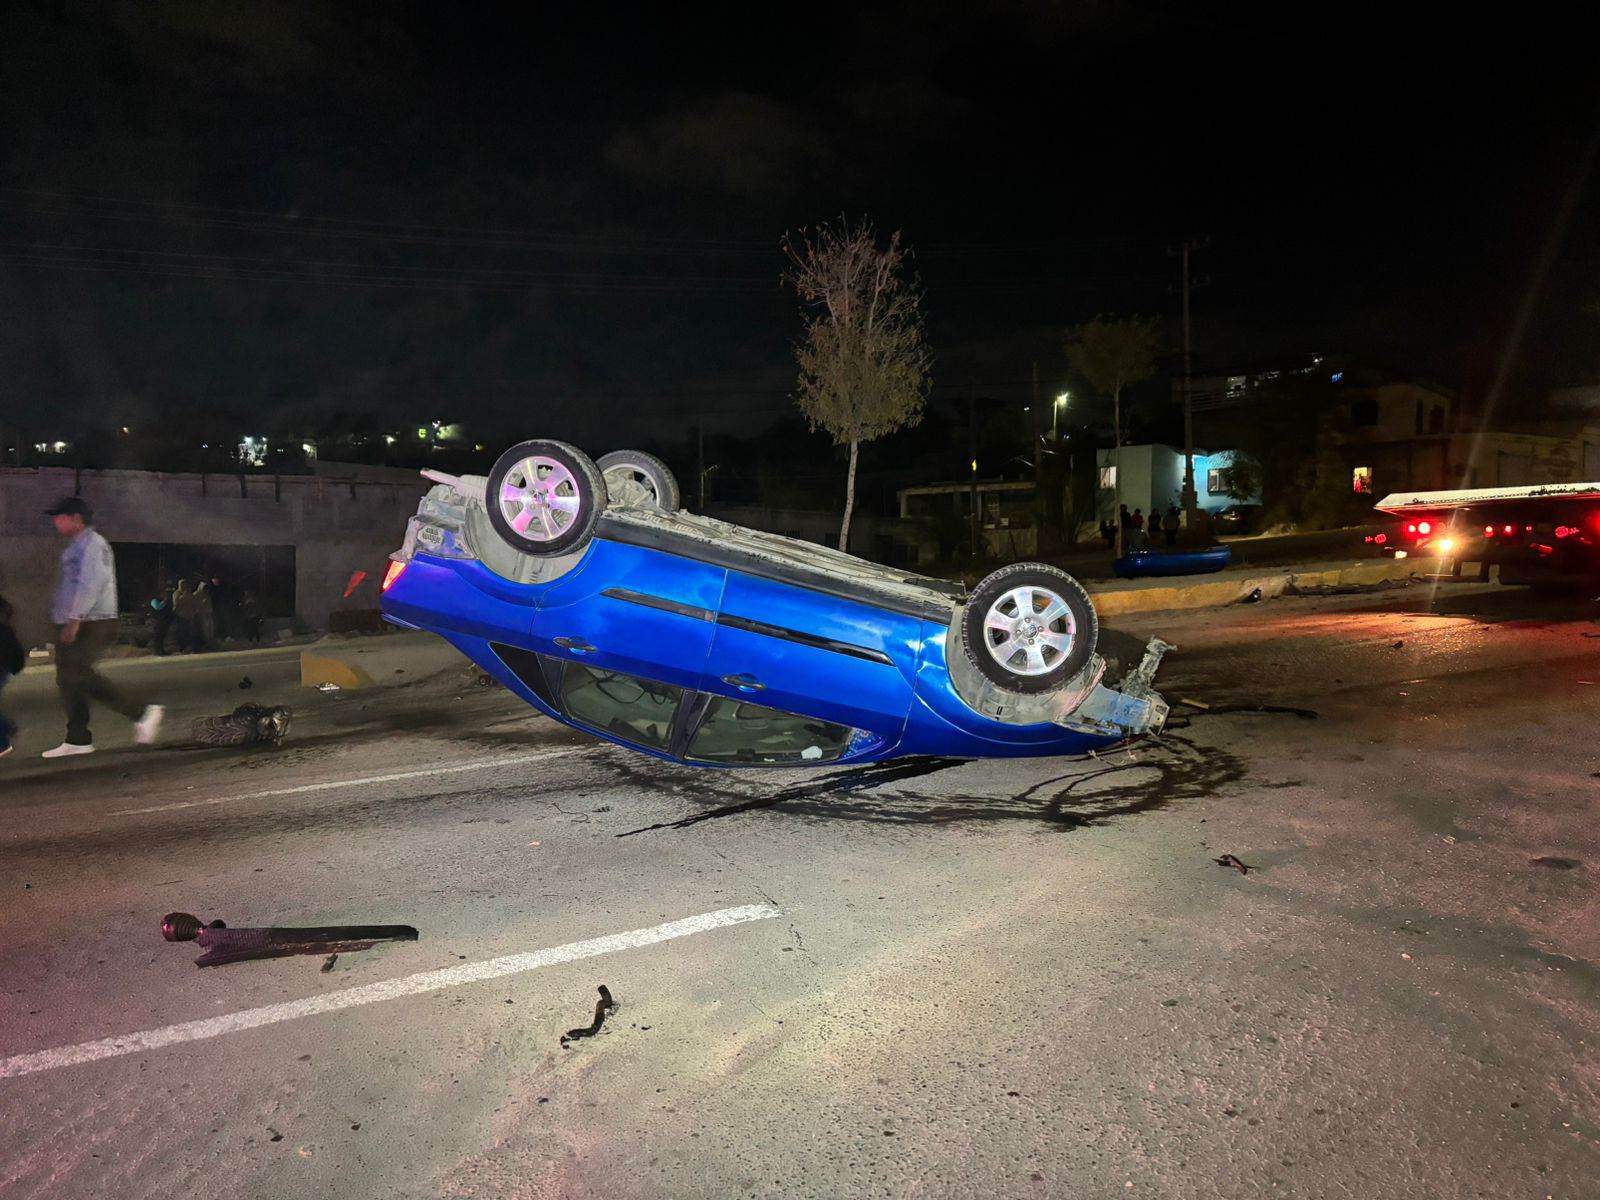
x,y
918,979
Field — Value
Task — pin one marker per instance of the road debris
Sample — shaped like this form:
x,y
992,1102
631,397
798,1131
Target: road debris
x,y
329,686
328,965
246,684
1230,860
602,1007
1397,645
224,945
1557,863
248,724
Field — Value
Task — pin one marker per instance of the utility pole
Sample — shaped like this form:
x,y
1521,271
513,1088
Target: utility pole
x,y
972,454
1191,515
1038,466
700,457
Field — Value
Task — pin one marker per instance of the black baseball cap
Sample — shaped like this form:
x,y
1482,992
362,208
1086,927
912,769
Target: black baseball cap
x,y
71,506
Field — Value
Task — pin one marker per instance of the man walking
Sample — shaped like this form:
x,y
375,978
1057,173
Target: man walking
x,y
84,611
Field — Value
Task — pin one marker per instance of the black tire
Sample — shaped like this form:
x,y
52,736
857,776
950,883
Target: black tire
x,y
635,479
1022,672
583,482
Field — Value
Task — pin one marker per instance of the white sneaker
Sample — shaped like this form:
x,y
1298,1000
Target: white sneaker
x,y
67,750
149,724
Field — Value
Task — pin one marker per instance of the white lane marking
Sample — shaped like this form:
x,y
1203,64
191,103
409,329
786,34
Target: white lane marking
x,y
482,765
372,993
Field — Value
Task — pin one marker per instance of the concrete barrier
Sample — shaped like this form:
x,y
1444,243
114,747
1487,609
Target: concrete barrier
x,y
1116,597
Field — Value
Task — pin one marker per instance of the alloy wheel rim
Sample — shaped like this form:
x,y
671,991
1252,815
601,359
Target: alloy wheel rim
x,y
1029,630
629,487
539,498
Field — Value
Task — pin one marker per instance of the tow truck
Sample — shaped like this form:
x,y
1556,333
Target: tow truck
x,y
1545,536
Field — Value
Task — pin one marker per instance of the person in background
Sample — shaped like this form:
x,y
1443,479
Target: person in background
x,y
1170,524
221,607
84,611
183,618
160,618
1137,522
12,660
1108,533
250,617
204,632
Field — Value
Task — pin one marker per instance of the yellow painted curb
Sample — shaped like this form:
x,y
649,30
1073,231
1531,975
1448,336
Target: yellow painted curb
x,y
317,669
1211,592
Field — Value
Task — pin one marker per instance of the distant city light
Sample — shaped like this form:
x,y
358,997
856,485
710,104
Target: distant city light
x,y
388,439
422,431
1337,377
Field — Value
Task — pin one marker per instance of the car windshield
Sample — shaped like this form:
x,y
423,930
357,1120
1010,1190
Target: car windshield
x,y
734,731
636,710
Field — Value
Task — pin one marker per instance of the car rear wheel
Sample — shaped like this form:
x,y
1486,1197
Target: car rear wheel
x,y
635,479
545,497
1029,628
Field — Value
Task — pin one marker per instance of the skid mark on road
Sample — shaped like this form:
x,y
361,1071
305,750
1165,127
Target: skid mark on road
x,y
393,777
373,993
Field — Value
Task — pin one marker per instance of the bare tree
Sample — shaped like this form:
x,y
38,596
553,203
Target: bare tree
x,y
1111,354
863,362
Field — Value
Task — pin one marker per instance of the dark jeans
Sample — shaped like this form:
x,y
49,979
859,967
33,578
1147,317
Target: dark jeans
x,y
79,682
8,727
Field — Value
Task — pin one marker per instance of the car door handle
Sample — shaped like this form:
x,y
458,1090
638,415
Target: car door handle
x,y
576,645
745,683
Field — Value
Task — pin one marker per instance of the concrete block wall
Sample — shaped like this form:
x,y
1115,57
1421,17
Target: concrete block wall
x,y
336,525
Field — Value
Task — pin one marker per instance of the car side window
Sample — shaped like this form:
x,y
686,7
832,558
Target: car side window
x,y
736,731
633,709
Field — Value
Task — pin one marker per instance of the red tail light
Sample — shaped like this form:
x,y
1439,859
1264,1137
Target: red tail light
x,y
1412,527
1381,538
1565,531
1510,529
1488,531
392,573
1424,527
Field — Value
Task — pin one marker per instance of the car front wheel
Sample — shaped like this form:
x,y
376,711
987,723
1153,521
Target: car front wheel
x,y
635,479
1029,628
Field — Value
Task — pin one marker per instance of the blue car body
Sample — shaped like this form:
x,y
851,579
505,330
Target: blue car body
x,y
698,642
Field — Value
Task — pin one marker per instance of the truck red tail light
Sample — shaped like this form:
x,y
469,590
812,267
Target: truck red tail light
x,y
1488,531
1424,527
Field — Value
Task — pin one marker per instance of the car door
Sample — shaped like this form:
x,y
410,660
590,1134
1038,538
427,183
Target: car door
x,y
813,654
632,609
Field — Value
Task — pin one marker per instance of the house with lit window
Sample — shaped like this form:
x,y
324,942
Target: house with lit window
x,y
1152,480
1400,435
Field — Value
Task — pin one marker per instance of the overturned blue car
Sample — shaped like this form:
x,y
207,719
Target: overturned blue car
x,y
583,587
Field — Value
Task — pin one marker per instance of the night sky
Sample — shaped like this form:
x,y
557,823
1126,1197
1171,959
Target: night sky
x,y
570,224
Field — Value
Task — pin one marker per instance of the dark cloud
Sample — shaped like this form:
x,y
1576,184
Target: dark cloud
x,y
734,142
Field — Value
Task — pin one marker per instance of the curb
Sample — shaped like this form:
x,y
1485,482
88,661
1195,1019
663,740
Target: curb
x,y
353,664
1116,598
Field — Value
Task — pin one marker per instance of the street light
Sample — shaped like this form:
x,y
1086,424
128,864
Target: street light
x,y
1055,412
